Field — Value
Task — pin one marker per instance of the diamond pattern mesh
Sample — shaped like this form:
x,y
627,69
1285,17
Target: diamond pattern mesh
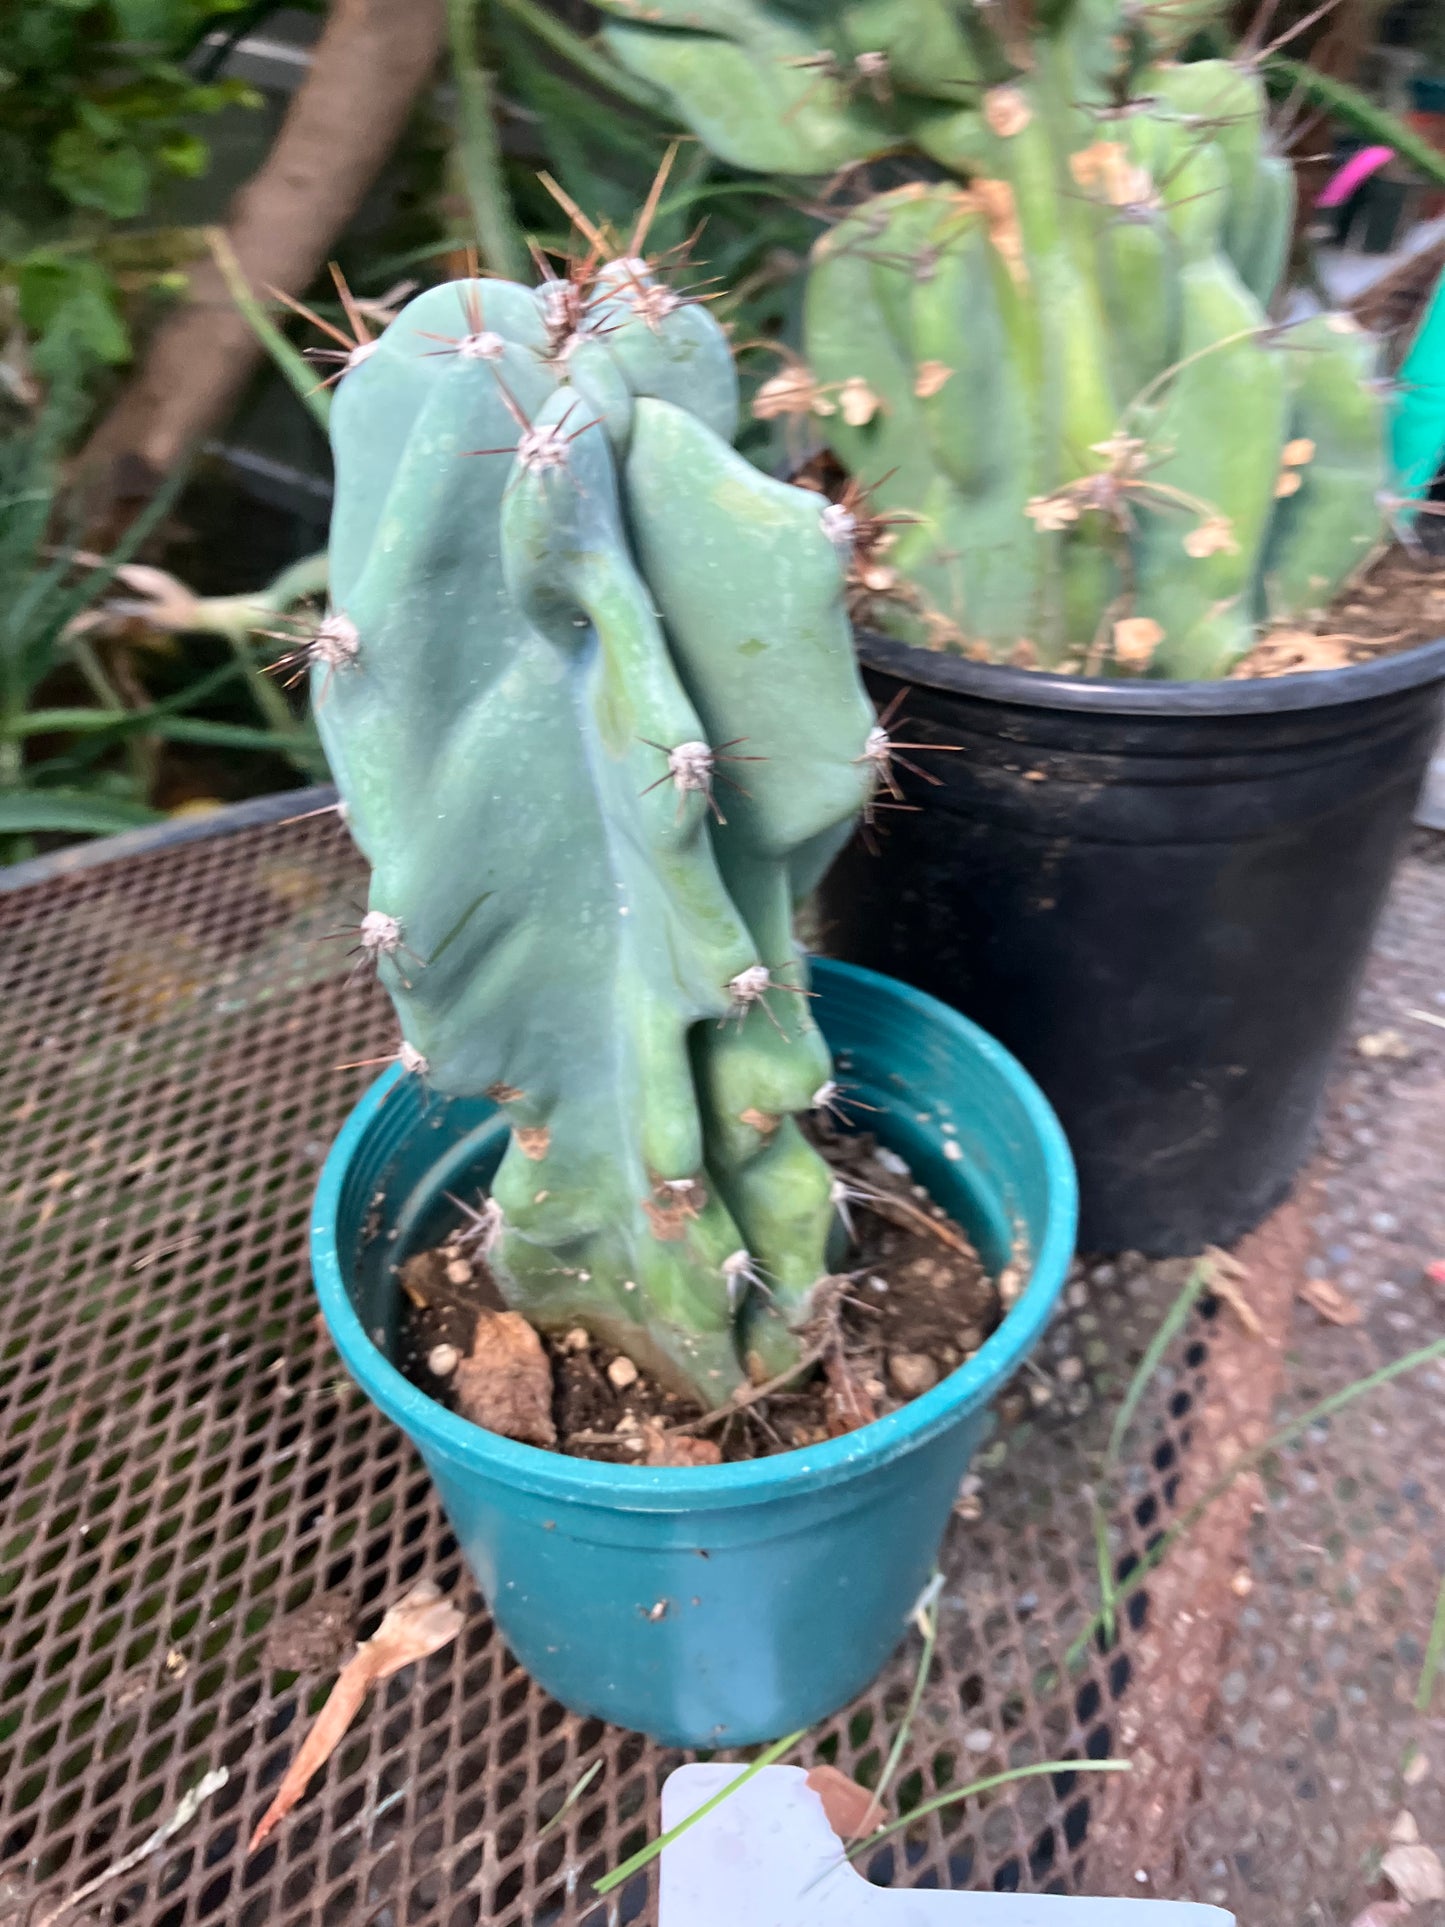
x,y
184,1463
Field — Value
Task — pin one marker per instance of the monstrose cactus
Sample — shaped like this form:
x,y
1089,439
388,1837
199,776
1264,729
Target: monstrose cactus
x,y
588,691
1056,370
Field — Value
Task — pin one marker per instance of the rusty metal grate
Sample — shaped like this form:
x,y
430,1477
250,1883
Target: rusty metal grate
x,y
184,1463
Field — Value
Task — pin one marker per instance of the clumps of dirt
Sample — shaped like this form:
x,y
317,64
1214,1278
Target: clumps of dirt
x,y
1398,603
915,1303
315,1636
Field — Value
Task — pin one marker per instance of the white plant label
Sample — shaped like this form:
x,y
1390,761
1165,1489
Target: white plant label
x,y
767,1857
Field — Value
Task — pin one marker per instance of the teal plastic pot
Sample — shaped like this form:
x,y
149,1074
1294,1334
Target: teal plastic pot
x,y
716,1605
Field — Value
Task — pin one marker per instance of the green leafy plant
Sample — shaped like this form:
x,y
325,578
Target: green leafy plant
x,y
96,111
1088,445
588,692
79,731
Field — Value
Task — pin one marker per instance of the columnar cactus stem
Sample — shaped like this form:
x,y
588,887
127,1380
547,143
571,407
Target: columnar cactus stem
x,y
1061,363
574,610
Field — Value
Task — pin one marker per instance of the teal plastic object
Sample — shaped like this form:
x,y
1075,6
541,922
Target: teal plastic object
x,y
718,1605
1417,424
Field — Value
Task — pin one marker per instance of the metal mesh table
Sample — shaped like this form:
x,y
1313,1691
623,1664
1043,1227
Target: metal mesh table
x,y
184,1464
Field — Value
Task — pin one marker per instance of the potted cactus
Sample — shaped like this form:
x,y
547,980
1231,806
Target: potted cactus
x,y
588,692
1091,474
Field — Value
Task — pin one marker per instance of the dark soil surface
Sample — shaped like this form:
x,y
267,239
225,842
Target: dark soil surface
x,y
915,1303
1397,604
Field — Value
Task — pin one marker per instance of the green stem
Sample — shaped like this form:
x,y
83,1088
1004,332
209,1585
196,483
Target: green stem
x,y
1434,1653
928,1617
654,1847
99,684
1246,1462
557,35
1170,1326
942,1800
288,359
478,151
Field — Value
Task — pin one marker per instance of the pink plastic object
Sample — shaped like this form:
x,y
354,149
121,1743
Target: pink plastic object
x,y
1356,170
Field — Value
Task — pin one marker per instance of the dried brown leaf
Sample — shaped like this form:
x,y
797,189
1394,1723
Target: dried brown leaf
x,y
505,1383
1230,1292
995,201
1007,111
1415,1872
415,1626
1135,640
1213,536
1383,1043
851,1809
1333,1305
857,402
930,378
1227,1280
792,391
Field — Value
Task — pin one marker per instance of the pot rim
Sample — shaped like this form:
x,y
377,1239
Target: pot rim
x,y
695,1488
1041,689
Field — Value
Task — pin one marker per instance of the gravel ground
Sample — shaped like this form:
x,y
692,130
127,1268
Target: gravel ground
x,y
1318,1746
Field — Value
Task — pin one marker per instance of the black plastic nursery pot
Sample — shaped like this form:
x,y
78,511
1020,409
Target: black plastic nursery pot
x,y
1158,896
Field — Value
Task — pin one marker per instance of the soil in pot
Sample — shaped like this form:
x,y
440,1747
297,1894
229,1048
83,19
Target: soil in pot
x,y
1395,603
1398,603
915,1303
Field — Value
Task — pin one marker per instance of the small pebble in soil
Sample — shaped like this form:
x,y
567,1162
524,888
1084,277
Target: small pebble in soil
x,y
443,1360
1071,1370
922,1305
912,1373
459,1272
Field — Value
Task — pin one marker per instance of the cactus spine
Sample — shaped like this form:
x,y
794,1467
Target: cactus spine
x,y
1059,364
587,689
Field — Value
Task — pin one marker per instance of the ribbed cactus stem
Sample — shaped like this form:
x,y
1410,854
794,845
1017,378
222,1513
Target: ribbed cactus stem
x,y
1060,365
588,690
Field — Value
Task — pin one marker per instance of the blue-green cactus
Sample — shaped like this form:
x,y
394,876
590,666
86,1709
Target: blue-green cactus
x,y
588,691
1057,370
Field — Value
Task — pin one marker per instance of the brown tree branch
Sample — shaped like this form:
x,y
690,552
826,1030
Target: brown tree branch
x,y
371,62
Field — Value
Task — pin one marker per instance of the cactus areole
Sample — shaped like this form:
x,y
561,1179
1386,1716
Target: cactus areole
x,y
587,687
1059,363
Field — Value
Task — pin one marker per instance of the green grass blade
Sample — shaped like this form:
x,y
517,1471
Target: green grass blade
x,y
586,58
1356,111
1434,1653
976,1787
478,151
288,359
77,812
927,1615
1246,1462
1172,1324
649,1853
